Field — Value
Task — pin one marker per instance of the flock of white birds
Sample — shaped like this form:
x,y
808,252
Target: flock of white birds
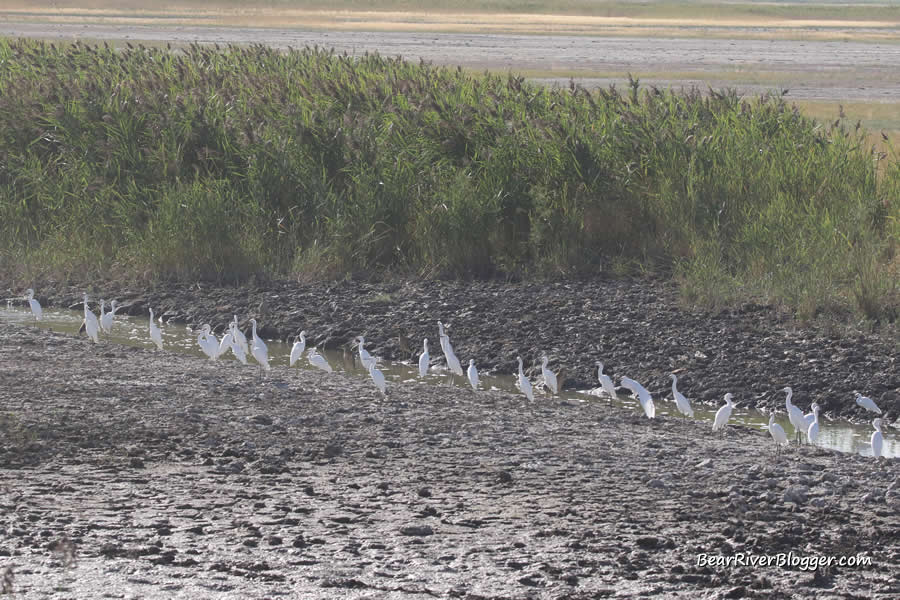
x,y
236,341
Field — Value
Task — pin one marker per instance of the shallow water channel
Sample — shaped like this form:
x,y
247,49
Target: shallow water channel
x,y
133,331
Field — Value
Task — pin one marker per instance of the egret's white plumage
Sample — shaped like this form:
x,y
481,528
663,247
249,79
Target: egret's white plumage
x,y
472,373
298,348
35,306
877,438
364,357
106,319
377,376
424,358
318,361
642,394
155,332
208,342
813,432
723,413
681,402
226,341
91,325
795,415
605,381
867,403
524,384
239,337
452,361
809,417
236,348
777,432
549,376
259,350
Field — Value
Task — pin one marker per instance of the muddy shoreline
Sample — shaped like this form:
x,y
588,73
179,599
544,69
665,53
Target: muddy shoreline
x,y
136,473
637,327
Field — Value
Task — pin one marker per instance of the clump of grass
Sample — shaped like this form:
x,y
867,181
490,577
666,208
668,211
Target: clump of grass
x,y
234,163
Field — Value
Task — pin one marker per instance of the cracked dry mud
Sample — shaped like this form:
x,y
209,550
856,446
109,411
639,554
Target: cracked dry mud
x,y
129,473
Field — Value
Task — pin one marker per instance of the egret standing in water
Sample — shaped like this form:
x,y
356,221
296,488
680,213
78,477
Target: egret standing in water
x,y
549,376
155,332
318,361
795,415
91,326
377,376
106,319
723,414
364,357
813,432
298,348
684,406
867,403
642,394
473,375
605,381
208,342
239,337
809,418
524,384
259,350
877,438
35,306
424,359
777,432
452,361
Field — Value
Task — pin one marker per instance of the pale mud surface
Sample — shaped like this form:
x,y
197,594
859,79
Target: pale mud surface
x,y
810,69
127,473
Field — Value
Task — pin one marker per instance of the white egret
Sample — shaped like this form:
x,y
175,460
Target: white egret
x,y
208,342
424,359
236,348
226,341
364,357
549,376
473,374
452,361
867,403
377,376
777,432
723,413
91,326
36,309
318,361
524,384
809,417
298,348
155,332
259,350
106,319
877,438
795,415
239,337
642,394
683,404
605,381
813,432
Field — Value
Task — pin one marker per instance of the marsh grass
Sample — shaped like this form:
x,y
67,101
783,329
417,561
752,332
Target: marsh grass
x,y
235,163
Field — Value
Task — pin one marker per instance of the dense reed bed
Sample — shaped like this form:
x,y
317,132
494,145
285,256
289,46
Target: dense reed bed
x,y
233,163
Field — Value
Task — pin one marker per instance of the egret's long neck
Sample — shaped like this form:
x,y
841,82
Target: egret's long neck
x,y
674,384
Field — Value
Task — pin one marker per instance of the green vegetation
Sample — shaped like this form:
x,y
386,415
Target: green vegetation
x,y
226,164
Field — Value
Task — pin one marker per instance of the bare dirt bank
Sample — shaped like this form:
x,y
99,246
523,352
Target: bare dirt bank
x,y
140,474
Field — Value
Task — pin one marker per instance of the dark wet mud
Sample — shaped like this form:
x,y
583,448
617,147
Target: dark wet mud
x,y
129,473
637,328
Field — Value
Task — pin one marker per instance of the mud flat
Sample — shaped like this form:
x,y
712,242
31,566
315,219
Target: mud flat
x,y
126,473
811,69
636,327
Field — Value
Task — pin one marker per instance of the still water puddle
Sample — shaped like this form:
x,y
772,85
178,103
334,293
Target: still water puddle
x,y
132,331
